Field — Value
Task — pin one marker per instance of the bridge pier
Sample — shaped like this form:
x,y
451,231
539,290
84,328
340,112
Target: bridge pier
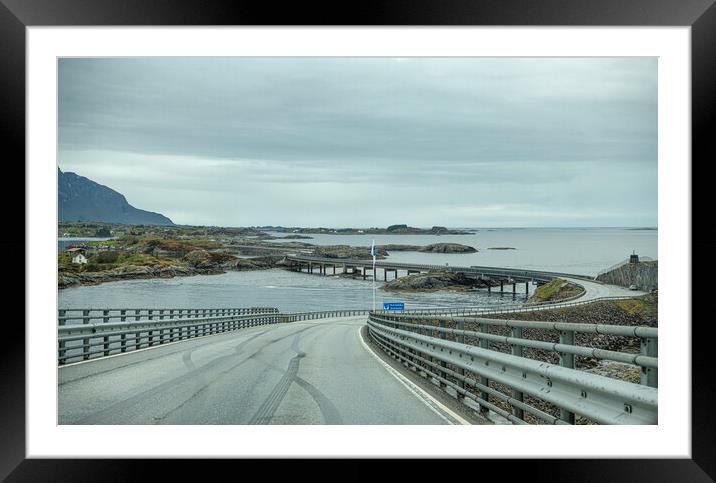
x,y
514,288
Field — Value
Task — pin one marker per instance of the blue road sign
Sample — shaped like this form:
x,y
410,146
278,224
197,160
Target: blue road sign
x,y
394,306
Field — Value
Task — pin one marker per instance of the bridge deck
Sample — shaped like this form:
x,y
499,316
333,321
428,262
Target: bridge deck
x,y
310,372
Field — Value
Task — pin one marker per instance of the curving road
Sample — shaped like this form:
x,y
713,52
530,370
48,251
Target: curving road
x,y
311,372
594,290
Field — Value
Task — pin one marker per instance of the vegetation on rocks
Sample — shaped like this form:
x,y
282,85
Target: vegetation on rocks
x,y
557,289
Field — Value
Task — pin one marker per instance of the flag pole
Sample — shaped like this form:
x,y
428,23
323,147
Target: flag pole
x,y
372,252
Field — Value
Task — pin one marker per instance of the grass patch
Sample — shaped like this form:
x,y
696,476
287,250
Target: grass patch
x,y
557,289
646,307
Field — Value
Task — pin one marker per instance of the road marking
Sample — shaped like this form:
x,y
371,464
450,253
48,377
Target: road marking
x,y
436,406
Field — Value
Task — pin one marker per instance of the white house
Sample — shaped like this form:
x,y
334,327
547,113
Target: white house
x,y
78,255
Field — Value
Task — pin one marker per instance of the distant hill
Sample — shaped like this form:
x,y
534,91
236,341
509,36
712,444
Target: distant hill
x,y
81,199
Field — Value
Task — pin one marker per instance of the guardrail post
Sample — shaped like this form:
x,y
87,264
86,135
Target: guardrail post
x,y
485,344
649,375
85,342
566,360
461,371
123,314
61,320
443,335
62,352
516,349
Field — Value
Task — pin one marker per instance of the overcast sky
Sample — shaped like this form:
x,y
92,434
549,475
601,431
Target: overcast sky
x,y
338,142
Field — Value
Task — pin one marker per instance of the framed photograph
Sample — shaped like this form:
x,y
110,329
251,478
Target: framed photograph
x,y
418,231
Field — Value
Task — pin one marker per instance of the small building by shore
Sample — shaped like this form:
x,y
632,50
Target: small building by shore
x,y
78,255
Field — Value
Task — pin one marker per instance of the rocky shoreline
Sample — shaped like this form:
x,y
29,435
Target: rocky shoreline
x,y
142,252
196,265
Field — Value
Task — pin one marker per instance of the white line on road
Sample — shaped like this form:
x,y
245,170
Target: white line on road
x,y
436,406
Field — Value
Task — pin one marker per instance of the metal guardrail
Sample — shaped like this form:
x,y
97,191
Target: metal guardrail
x,y
86,316
94,333
101,335
510,309
294,317
439,346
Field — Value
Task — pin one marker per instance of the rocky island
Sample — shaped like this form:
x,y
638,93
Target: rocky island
x,y
431,281
447,248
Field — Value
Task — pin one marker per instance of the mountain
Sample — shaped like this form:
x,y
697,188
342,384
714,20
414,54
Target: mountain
x,y
81,199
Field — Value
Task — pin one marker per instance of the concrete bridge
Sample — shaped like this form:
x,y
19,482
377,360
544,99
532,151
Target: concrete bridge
x,y
496,276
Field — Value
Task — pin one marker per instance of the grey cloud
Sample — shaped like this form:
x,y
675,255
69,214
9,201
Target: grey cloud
x,y
525,129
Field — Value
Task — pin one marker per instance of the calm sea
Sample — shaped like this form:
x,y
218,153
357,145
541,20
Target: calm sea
x,y
574,250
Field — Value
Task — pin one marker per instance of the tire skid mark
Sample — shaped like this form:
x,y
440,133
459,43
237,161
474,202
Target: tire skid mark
x,y
329,411
268,409
160,356
171,384
272,402
202,384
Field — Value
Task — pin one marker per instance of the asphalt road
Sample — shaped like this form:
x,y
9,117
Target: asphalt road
x,y
594,290
310,372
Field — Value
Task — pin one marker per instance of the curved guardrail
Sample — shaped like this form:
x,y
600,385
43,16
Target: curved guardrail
x,y
461,353
86,316
84,334
507,309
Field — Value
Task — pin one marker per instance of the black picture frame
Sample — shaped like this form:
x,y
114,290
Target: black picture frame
x,y
700,15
